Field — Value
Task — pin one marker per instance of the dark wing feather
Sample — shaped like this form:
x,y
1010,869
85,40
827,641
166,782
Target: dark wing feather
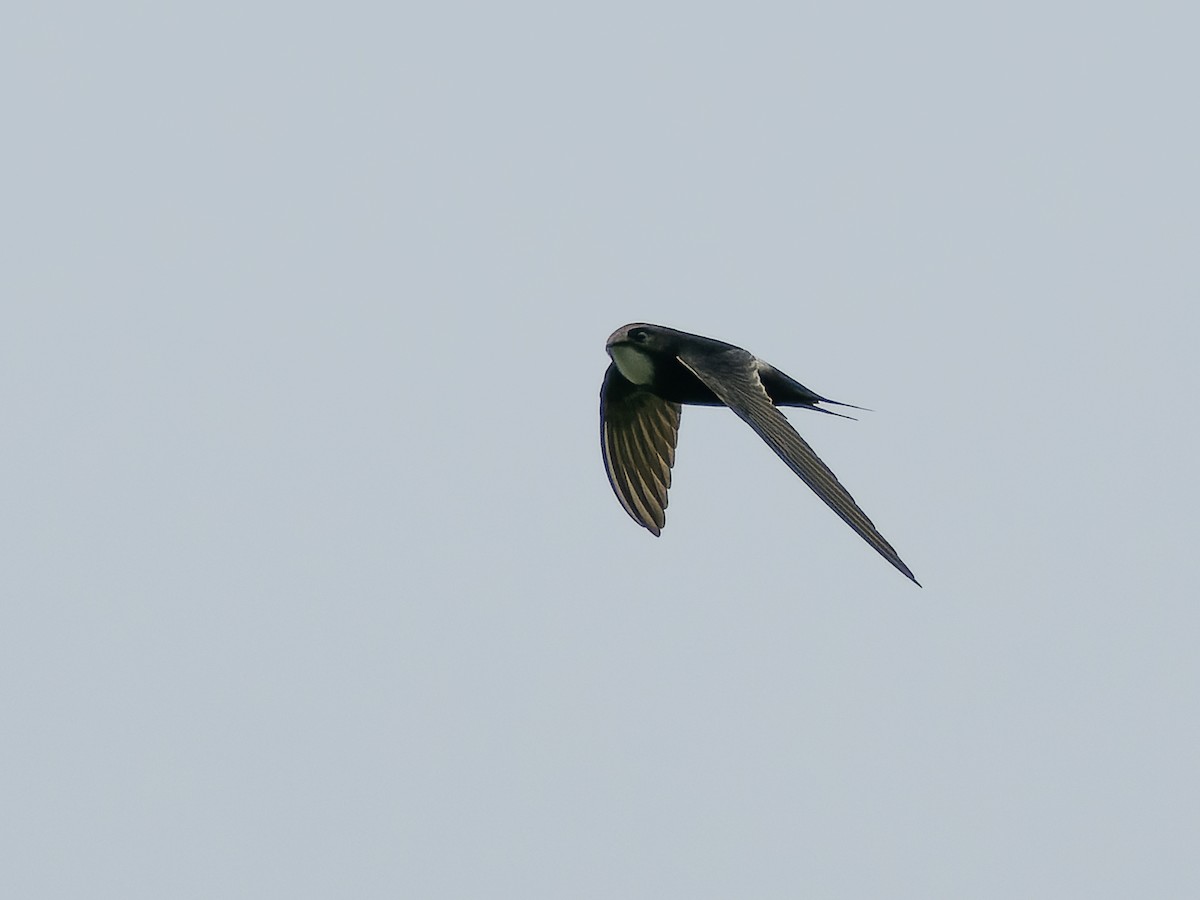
x,y
638,432
733,377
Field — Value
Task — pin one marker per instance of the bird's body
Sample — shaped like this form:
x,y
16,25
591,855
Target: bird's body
x,y
657,370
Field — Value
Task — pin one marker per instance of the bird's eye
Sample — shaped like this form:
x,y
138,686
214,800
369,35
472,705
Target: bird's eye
x,y
639,335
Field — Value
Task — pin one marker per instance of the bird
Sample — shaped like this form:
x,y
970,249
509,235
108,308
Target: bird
x,y
655,371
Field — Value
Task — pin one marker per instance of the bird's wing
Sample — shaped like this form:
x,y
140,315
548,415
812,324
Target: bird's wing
x,y
638,432
733,377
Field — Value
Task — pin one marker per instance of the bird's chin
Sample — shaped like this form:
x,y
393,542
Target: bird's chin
x,y
633,364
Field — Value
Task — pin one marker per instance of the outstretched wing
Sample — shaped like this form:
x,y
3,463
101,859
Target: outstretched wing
x,y
638,432
733,377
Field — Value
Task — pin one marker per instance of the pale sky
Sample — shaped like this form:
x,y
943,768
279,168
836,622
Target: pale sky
x,y
314,585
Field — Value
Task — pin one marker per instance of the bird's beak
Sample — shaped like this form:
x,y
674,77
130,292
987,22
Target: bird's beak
x,y
617,337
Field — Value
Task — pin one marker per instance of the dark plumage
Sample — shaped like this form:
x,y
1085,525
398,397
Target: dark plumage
x,y
655,371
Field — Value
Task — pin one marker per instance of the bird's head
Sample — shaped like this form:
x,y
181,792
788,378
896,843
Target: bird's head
x,y
634,347
639,334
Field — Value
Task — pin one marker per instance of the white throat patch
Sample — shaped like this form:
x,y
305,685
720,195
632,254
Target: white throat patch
x,y
633,364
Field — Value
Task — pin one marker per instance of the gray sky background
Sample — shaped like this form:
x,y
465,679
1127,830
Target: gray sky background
x,y
314,585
